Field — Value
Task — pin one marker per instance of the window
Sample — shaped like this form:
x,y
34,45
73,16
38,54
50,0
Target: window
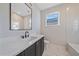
x,y
53,18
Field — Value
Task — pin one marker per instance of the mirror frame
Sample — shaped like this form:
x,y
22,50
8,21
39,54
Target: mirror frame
x,y
10,17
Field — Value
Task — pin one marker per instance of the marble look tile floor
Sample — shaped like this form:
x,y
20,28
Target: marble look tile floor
x,y
55,50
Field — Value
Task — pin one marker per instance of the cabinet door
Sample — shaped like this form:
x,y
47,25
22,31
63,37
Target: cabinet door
x,y
30,51
42,45
38,47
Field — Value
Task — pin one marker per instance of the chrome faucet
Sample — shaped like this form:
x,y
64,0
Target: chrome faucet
x,y
26,35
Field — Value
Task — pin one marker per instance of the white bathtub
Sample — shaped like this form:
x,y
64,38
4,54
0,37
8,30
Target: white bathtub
x,y
73,49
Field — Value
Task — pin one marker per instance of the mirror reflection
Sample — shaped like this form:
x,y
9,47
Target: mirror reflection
x,y
20,16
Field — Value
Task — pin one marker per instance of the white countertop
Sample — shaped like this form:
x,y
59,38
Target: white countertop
x,y
13,46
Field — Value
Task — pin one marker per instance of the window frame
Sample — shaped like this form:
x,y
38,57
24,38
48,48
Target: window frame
x,y
58,23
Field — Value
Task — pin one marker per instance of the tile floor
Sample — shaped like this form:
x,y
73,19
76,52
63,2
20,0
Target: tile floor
x,y
55,50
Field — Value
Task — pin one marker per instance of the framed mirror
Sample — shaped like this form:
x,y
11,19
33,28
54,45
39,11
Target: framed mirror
x,y
20,16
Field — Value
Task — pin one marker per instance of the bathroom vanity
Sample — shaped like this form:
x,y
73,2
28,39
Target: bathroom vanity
x,y
35,49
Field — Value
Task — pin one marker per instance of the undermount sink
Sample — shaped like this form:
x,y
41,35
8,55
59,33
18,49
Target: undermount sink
x,y
31,38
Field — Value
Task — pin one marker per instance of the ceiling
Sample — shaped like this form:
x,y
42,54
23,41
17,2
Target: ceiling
x,y
43,6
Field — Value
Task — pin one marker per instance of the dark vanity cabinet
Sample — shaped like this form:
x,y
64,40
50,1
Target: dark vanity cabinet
x,y
30,51
40,47
34,50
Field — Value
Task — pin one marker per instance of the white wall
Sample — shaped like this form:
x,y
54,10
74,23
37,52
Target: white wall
x,y
36,18
67,31
55,34
72,23
4,21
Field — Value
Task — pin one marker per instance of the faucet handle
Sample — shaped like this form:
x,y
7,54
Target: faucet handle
x,y
22,37
26,34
